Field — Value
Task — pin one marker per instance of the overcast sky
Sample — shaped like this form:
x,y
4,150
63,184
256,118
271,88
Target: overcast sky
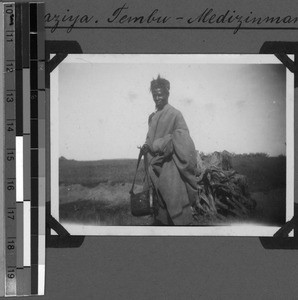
x,y
104,107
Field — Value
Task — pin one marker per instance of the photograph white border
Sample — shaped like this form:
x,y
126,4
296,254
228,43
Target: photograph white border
x,y
232,230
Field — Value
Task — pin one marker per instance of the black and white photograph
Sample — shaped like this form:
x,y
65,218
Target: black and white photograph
x,y
166,144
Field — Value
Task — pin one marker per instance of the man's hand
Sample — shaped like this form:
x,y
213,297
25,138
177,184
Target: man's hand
x,y
145,149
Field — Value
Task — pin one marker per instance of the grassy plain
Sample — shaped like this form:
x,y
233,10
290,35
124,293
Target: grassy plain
x,y
97,192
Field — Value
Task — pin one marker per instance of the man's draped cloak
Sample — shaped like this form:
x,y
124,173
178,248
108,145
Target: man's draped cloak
x,y
172,169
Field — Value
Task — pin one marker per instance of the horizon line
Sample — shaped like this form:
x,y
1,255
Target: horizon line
x,y
206,154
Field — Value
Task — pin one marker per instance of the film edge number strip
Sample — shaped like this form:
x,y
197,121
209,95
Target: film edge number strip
x,y
2,230
10,148
24,160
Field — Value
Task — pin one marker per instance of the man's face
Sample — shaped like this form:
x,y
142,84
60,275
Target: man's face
x,y
160,97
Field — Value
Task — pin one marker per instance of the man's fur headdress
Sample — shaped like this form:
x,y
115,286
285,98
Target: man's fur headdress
x,y
160,83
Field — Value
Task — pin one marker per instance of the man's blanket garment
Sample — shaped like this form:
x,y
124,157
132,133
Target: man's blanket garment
x,y
172,169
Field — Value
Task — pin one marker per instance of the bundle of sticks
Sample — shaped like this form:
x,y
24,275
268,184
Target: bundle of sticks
x,y
223,193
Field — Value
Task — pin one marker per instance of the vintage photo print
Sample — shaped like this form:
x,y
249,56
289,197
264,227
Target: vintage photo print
x,y
172,144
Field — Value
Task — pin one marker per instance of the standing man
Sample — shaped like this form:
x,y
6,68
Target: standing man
x,y
172,159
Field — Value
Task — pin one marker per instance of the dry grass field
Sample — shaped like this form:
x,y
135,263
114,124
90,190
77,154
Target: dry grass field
x,y
97,192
